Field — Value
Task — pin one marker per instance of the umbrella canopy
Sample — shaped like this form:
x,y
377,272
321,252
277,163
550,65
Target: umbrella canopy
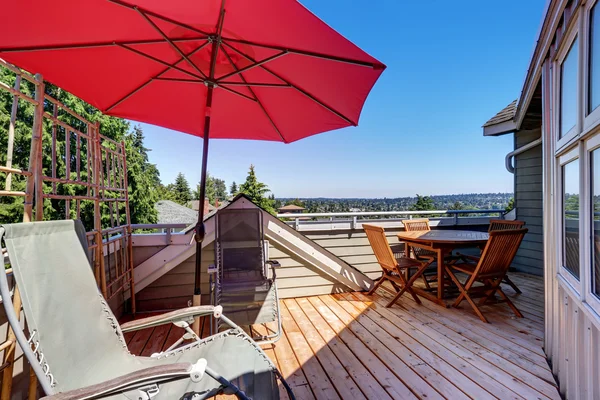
x,y
280,74
260,69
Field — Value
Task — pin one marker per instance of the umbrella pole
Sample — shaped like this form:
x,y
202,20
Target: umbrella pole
x,y
200,230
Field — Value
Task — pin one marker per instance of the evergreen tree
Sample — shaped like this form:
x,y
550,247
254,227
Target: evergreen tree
x,y
181,190
233,189
423,203
257,192
143,179
220,189
456,206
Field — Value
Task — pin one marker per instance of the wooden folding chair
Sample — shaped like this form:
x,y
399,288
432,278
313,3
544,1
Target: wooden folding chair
x,y
421,254
501,225
393,267
490,269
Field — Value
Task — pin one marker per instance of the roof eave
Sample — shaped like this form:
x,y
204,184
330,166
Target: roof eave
x,y
550,21
499,129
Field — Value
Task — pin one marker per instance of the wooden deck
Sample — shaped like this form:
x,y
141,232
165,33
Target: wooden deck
x,y
349,346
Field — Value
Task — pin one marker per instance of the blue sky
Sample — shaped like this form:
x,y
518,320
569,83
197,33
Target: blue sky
x,y
451,67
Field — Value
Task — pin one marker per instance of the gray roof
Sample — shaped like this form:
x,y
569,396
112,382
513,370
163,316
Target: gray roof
x,y
170,212
506,114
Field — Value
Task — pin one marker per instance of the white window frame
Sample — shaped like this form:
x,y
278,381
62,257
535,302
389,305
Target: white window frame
x,y
590,298
592,119
573,133
565,158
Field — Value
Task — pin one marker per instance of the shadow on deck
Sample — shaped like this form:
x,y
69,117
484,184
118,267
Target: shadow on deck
x,y
350,346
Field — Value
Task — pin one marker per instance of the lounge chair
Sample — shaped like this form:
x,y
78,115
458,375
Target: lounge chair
x,y
393,268
245,284
489,270
76,346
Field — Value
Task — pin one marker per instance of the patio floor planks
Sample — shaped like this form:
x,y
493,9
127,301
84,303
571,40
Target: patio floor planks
x,y
350,346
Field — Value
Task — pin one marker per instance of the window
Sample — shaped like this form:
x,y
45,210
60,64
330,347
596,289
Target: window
x,y
568,91
595,202
570,175
594,59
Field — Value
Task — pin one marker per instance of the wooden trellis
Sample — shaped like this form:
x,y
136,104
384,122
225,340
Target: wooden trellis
x,y
81,174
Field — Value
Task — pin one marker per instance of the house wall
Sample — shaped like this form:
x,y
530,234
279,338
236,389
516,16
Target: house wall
x,y
528,203
174,289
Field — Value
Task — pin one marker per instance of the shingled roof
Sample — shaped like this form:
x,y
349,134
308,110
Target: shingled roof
x,y
506,114
170,212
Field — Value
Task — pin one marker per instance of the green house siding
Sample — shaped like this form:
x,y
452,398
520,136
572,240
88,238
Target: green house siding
x,y
528,202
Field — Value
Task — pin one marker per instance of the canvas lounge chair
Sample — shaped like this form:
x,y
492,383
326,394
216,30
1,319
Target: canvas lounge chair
x,y
245,283
394,268
76,346
485,273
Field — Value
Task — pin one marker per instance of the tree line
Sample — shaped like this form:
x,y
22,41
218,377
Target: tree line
x,y
216,191
143,177
469,201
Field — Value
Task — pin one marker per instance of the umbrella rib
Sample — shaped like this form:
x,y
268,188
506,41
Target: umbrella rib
x,y
155,15
260,104
309,53
238,93
173,45
258,84
94,45
143,85
253,65
304,92
179,80
158,60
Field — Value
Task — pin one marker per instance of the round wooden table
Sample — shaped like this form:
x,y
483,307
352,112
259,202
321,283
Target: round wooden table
x,y
442,242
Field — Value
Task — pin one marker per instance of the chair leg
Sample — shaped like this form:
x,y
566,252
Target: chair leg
x,y
426,282
406,287
510,303
379,283
491,292
511,284
464,294
459,285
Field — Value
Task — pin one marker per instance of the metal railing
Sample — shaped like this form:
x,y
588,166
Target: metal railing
x,y
353,220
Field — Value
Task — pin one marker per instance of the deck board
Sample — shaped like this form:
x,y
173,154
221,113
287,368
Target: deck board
x,y
351,346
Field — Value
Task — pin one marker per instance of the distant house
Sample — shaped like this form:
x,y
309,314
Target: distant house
x,y
195,205
290,209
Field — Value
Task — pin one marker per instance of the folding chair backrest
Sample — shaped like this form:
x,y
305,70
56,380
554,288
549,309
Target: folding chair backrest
x,y
69,323
381,247
502,224
416,224
240,244
499,252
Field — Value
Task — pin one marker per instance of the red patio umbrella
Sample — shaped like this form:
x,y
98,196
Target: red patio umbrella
x,y
236,69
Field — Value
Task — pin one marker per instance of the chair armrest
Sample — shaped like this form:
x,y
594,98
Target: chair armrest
x,y
132,381
185,314
274,263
